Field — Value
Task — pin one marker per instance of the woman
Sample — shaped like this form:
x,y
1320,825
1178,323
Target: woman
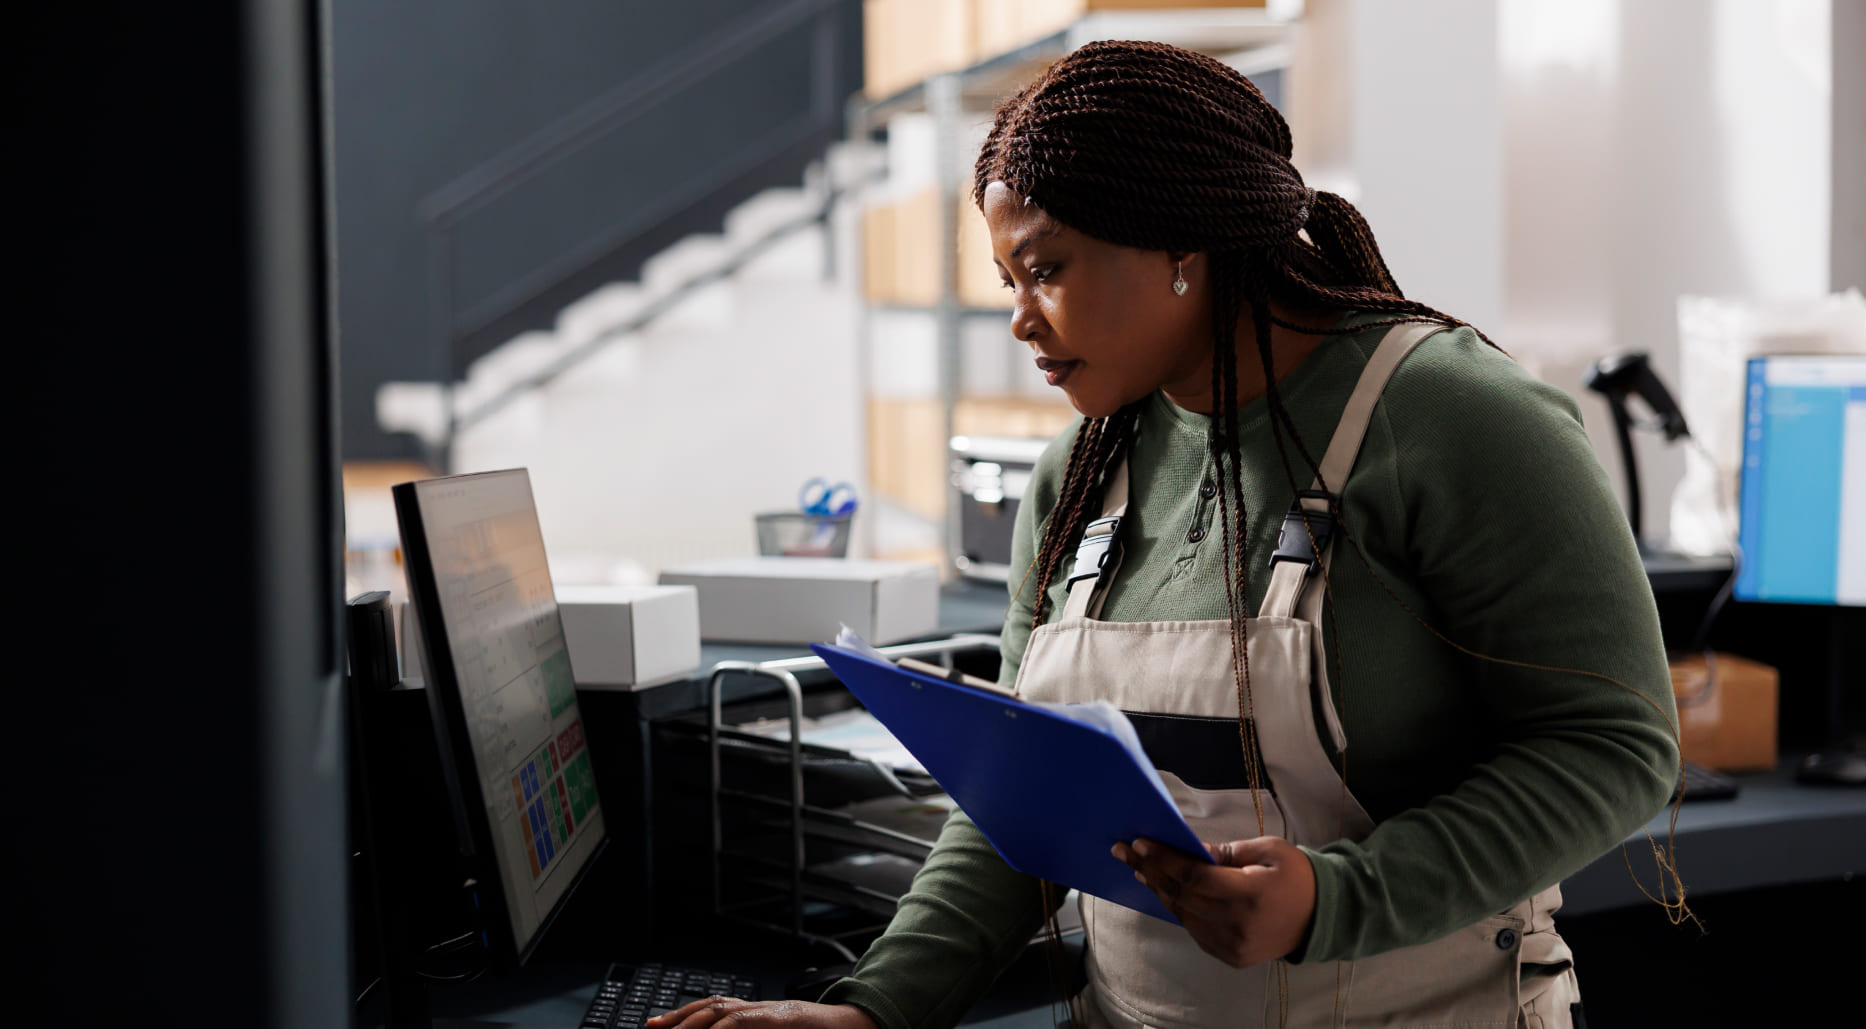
x,y
1330,514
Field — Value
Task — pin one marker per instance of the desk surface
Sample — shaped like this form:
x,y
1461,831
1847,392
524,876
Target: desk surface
x,y
1670,571
1774,832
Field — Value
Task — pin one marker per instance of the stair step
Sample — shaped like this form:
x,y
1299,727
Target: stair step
x,y
599,312
513,360
416,407
768,211
795,257
695,255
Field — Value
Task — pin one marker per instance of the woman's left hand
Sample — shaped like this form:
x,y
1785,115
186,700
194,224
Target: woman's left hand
x,y
1252,906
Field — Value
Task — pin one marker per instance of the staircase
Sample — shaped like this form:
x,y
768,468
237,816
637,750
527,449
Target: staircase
x,y
659,445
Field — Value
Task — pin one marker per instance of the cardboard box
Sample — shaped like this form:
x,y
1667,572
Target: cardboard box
x,y
797,600
910,463
979,282
906,456
1728,724
901,254
1004,25
904,41
629,637
901,251
1029,417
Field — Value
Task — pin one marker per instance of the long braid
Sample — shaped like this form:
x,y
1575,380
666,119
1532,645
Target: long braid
x,y
1100,445
1226,448
1053,541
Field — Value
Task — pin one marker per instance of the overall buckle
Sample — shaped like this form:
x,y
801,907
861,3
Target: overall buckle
x,y
1092,552
1292,543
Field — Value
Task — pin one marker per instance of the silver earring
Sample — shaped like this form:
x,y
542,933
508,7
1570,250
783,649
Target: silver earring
x,y
1179,280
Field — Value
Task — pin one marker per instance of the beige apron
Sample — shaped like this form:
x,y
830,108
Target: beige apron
x,y
1175,680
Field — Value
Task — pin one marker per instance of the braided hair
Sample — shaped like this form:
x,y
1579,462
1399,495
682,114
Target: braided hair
x,y
1155,147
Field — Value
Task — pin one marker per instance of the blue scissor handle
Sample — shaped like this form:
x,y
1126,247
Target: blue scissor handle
x,y
820,502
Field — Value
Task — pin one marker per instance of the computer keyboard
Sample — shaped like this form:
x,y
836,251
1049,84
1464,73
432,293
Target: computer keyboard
x,y
632,994
1700,783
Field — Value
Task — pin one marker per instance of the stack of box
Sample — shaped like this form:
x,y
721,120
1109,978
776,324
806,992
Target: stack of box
x,y
909,40
901,254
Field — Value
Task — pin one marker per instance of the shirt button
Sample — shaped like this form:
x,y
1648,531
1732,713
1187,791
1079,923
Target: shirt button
x,y
1195,535
1506,938
1207,490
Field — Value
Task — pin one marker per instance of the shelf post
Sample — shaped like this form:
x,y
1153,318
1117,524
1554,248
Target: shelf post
x,y
944,103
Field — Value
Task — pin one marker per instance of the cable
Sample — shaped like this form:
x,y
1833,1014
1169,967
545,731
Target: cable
x,y
1700,638
465,977
457,943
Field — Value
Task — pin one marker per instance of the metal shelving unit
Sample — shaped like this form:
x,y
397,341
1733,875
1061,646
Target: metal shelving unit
x,y
951,97
779,893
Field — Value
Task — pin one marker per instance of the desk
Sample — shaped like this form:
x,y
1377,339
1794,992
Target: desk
x,y
1672,572
1774,832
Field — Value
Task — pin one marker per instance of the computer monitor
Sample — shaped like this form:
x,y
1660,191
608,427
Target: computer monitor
x,y
498,680
1803,492
1802,509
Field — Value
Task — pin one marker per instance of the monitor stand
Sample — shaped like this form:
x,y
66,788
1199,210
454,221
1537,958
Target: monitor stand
x,y
1842,762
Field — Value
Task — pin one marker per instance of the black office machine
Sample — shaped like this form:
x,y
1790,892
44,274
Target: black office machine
x,y
1630,374
989,476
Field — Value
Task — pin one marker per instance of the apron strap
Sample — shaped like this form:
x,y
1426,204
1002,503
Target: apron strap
x,y
1098,556
1296,555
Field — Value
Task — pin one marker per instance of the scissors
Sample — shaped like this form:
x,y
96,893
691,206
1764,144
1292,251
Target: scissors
x,y
820,498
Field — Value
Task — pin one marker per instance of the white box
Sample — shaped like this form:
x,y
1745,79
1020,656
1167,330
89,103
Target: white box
x,y
805,599
628,637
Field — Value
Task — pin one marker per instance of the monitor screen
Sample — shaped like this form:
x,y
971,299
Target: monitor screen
x,y
500,673
1803,493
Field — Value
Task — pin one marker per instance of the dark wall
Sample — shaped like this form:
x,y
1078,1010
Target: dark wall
x,y
433,99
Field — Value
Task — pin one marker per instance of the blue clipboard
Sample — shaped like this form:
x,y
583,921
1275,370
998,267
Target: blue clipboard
x,y
1050,793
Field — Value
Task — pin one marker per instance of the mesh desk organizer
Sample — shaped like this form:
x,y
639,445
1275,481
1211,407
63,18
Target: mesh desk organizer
x,y
807,856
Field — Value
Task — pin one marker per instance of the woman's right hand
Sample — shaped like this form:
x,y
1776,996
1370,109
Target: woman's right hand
x,y
731,1013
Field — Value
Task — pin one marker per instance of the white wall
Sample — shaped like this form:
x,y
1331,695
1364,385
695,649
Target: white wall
x,y
1560,171
661,450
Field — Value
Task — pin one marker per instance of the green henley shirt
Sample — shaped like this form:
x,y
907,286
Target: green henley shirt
x,y
1478,501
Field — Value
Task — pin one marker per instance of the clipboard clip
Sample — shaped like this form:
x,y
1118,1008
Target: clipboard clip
x,y
1092,553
